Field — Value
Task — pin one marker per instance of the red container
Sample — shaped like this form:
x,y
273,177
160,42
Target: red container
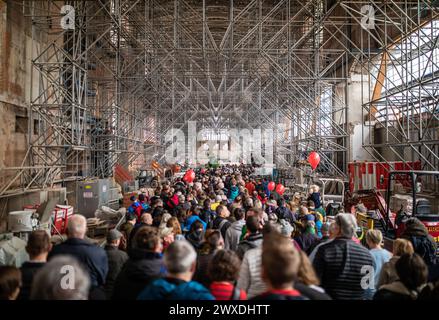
x,y
60,218
58,221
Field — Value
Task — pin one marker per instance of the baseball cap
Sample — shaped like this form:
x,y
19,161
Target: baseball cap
x,y
113,234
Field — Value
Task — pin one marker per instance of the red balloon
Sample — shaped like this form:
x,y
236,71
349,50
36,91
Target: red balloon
x,y
271,185
280,189
314,159
189,176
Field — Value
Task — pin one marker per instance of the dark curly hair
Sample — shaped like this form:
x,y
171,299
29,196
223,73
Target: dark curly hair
x,y
224,266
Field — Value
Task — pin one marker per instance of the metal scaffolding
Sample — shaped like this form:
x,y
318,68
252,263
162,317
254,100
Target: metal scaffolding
x,y
131,70
400,107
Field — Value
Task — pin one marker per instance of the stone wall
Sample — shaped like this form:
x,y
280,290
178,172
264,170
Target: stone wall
x,y
16,48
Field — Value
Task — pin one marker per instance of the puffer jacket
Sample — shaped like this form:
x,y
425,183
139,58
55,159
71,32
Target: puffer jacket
x,y
175,289
250,277
252,241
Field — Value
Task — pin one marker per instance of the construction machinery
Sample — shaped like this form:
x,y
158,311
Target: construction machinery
x,y
409,193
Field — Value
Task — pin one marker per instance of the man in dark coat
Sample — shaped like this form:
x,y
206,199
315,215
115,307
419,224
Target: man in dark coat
x,y
38,247
144,265
116,259
92,257
221,223
129,224
282,212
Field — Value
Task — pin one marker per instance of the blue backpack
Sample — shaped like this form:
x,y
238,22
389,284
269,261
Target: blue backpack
x,y
132,208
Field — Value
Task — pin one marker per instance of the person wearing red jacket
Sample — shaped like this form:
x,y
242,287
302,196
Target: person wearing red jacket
x,y
250,186
142,207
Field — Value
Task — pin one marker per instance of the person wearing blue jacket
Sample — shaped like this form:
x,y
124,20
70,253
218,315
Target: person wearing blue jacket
x,y
233,191
195,216
265,183
134,204
180,261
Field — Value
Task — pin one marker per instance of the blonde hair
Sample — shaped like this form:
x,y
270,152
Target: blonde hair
x,y
258,204
375,236
402,246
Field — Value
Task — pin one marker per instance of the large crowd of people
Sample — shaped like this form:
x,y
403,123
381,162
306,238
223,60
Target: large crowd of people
x,y
226,236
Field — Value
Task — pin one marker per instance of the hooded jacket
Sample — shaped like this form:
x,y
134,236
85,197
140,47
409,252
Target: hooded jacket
x,y
252,241
422,242
233,193
175,289
191,219
233,234
141,268
195,238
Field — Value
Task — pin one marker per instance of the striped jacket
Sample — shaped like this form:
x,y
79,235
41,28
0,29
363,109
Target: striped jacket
x,y
340,265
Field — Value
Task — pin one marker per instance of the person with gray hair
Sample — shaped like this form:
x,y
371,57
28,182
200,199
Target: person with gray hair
x,y
62,278
93,257
342,264
180,262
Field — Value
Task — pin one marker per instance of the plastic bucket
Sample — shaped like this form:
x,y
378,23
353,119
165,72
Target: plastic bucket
x,y
20,221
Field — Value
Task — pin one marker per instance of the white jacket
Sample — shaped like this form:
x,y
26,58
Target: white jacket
x,y
250,278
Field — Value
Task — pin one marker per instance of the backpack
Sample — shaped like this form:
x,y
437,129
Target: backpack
x,y
132,208
222,223
208,216
425,248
